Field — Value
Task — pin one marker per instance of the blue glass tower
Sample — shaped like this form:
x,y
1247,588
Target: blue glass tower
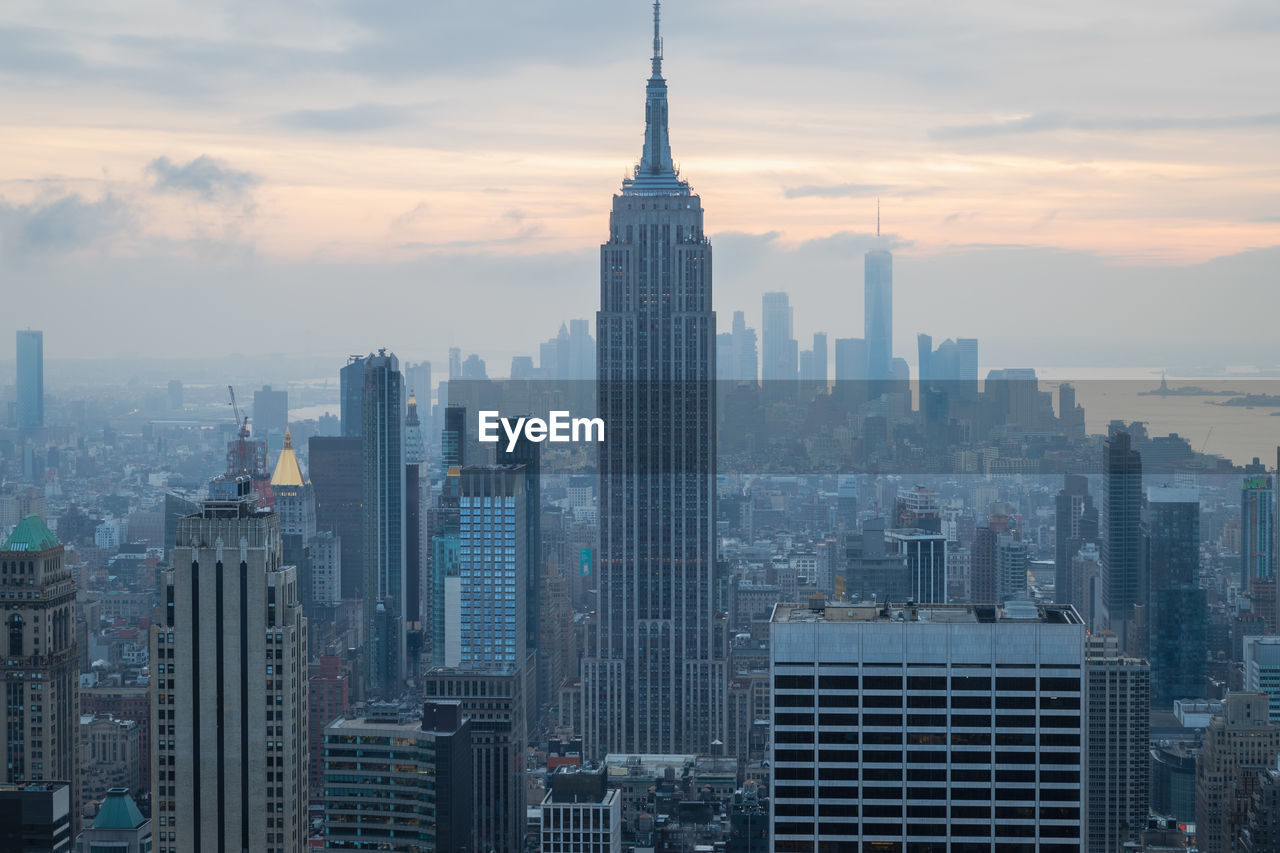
x,y
30,379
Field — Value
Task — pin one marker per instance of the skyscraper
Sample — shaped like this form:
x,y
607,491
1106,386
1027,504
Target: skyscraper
x,y
494,562
337,476
494,700
30,379
295,502
1076,522
1177,644
40,717
779,348
878,314
270,412
851,371
417,487
229,715
384,526
400,781
1237,745
1121,533
1119,720
906,729
351,382
745,366
1262,670
656,681
1257,535
1012,559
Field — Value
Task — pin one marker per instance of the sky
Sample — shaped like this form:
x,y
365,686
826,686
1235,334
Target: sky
x,y
1088,184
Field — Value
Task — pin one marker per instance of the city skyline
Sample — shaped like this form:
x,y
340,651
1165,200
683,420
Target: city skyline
x,y
399,173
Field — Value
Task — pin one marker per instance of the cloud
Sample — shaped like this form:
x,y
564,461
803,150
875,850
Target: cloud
x,y
205,177
353,119
1045,122
63,223
857,191
836,191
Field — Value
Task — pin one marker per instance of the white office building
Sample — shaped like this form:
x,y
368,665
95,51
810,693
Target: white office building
x,y
928,727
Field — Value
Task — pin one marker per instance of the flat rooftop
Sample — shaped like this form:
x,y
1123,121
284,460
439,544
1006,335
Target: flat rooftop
x,y
1011,611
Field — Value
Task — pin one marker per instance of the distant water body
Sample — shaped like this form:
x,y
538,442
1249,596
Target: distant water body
x,y
1115,393
1237,433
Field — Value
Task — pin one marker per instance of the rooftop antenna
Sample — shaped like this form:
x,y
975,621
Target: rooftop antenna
x,y
657,38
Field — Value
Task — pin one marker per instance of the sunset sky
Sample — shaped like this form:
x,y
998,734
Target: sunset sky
x,y
416,175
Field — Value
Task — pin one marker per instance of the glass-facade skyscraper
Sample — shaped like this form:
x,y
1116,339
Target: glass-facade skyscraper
x,y
1121,533
1177,612
30,379
877,315
1257,538
382,447
654,678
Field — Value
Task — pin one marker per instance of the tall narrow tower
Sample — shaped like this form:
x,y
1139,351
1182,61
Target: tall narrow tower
x,y
382,437
229,696
654,677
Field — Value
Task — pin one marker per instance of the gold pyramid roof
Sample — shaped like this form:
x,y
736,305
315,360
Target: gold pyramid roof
x,y
287,472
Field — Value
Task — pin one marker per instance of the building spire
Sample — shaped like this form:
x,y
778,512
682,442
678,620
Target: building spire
x,y
656,165
657,38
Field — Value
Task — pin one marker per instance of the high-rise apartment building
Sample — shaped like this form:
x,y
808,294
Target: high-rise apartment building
x,y
385,594
655,679
1238,743
494,562
1121,534
40,716
1012,561
982,566
1119,744
917,727
30,379
229,715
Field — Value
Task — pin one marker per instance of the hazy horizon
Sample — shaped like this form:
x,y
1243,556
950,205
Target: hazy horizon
x,y
247,179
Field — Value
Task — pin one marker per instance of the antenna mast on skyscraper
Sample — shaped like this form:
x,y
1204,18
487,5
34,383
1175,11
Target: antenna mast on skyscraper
x,y
657,38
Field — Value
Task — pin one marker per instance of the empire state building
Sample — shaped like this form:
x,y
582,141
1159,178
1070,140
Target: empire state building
x,y
654,676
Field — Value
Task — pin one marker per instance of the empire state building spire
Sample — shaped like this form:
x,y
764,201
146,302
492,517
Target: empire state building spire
x,y
656,172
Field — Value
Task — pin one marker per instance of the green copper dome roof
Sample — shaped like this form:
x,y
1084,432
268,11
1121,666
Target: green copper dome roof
x,y
31,534
118,811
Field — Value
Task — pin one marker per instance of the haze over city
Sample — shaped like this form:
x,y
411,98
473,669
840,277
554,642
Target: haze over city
x,y
269,165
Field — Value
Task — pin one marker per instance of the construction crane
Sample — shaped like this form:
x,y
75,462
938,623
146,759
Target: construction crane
x,y
1208,436
241,462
